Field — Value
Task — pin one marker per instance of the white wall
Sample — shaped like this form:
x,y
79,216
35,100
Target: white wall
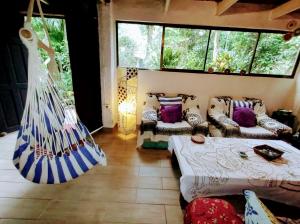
x,y
293,101
277,93
273,91
108,65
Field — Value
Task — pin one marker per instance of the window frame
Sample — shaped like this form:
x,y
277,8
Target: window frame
x,y
210,29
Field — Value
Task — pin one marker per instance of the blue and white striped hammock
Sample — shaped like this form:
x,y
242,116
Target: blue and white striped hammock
x,y
53,146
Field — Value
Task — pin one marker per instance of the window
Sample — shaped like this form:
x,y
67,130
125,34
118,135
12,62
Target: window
x,y
230,50
139,45
185,48
207,49
275,56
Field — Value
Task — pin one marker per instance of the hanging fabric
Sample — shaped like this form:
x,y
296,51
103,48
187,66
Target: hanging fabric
x,y
53,146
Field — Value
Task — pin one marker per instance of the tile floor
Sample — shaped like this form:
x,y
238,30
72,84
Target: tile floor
x,y
137,186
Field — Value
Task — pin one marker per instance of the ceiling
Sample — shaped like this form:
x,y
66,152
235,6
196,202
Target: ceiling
x,y
272,2
227,6
258,5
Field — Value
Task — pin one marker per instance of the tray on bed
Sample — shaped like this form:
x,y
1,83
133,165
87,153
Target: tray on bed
x,y
268,152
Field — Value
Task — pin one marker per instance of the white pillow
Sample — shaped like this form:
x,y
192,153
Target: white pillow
x,y
193,116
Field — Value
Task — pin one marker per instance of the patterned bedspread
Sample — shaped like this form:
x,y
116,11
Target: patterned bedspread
x,y
216,169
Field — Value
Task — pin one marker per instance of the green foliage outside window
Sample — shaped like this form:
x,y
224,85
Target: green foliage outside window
x,y
274,55
139,45
185,48
230,50
58,38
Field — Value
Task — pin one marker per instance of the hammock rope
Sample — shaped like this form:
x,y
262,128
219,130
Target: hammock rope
x,y
53,146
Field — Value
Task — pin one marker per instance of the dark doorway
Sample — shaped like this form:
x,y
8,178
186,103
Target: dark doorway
x,y
13,69
13,83
82,32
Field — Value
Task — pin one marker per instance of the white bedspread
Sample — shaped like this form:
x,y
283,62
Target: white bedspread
x,y
215,169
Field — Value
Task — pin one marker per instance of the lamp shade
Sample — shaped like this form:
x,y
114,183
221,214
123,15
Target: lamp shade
x,y
127,97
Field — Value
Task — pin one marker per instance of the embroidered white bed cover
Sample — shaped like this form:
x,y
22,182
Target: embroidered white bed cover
x,y
216,169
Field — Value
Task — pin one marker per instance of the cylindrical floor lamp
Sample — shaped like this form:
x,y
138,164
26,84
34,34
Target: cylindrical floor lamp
x,y
127,97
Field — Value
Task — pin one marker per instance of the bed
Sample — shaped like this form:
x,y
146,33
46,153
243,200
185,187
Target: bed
x,y
216,169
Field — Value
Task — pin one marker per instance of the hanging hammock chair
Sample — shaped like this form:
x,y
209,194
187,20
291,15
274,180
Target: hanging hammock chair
x,y
53,146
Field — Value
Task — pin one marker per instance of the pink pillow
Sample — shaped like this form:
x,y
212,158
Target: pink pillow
x,y
244,116
171,113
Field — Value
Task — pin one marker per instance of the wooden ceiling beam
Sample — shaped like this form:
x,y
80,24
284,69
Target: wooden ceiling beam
x,y
224,5
284,9
167,5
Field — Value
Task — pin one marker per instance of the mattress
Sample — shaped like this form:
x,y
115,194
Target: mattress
x,y
216,169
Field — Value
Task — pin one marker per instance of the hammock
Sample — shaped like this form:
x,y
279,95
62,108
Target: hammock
x,y
53,146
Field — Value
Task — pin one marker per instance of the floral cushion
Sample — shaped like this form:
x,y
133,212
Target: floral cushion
x,y
256,212
210,211
193,116
149,114
273,125
228,126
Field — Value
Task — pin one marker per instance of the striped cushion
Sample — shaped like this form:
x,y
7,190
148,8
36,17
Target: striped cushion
x,y
170,100
242,103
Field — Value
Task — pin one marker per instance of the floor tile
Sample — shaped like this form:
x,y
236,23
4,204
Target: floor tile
x,y
114,160
128,190
6,164
157,172
118,181
174,214
134,213
170,183
152,196
23,221
28,190
150,182
149,161
115,170
22,208
110,194
84,211
11,176
166,162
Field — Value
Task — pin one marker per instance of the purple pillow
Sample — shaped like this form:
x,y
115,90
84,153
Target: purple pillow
x,y
171,113
244,116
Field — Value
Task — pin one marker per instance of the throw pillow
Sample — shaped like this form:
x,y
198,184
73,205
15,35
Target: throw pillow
x,y
210,210
242,103
193,116
239,103
170,100
151,100
171,113
149,113
256,212
244,116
